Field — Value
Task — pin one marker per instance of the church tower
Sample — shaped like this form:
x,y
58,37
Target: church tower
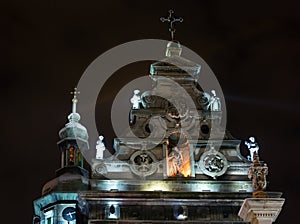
x,y
59,202
175,164
74,140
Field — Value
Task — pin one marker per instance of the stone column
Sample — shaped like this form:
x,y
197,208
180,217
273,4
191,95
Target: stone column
x,y
261,210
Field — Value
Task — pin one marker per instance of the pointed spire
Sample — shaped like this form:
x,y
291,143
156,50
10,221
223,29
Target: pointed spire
x,y
74,100
74,116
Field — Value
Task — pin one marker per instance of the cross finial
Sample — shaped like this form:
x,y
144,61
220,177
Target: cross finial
x,y
74,100
171,20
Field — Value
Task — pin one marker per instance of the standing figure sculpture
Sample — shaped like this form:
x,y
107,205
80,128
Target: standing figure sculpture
x,y
136,99
257,173
214,103
175,160
100,148
252,147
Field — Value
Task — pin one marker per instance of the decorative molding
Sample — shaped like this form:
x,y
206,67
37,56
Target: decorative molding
x,y
261,210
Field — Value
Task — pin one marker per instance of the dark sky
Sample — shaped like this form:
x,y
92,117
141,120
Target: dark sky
x,y
252,47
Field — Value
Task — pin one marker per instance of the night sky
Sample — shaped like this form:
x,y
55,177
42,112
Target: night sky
x,y
252,47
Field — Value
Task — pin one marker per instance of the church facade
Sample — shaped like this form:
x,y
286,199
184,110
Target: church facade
x,y
184,167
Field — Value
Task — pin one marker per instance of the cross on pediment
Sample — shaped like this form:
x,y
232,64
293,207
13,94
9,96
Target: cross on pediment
x,y
171,20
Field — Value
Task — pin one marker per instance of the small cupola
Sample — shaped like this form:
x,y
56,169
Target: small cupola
x,y
74,140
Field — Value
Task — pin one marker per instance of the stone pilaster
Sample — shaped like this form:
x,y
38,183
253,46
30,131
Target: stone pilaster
x,y
261,210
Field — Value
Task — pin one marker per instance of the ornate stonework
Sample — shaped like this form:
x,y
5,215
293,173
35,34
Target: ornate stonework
x,y
261,210
257,173
175,163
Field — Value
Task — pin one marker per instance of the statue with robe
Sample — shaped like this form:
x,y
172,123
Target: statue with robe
x,y
214,103
136,99
252,147
100,147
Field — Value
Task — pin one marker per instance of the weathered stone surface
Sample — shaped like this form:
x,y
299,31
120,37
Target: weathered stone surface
x,y
261,210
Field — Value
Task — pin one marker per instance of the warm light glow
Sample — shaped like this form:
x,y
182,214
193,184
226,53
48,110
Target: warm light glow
x,y
157,187
186,169
178,161
72,156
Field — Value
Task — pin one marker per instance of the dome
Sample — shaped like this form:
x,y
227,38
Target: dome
x,y
74,129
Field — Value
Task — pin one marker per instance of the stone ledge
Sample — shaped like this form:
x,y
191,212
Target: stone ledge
x,y
261,210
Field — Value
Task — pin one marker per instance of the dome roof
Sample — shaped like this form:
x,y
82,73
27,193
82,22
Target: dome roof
x,y
74,129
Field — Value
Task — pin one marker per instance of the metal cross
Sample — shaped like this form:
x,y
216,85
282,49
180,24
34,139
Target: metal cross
x,y
171,20
75,92
74,100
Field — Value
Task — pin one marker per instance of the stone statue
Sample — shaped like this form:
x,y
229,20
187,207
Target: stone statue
x,y
214,103
136,99
257,173
252,147
100,148
175,161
